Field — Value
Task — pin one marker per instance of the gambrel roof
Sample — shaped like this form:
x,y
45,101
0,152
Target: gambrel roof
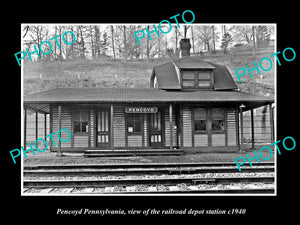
x,y
167,75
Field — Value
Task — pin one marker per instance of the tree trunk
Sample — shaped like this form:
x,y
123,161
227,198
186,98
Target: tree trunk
x,y
254,45
193,43
112,40
60,50
147,48
125,43
185,31
55,29
92,41
97,40
159,55
176,41
214,41
82,43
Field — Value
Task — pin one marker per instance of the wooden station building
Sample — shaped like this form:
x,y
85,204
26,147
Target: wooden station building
x,y
191,105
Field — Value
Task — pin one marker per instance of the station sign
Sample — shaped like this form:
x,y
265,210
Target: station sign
x,y
142,109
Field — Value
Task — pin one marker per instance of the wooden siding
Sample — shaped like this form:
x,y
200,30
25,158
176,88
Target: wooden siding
x,y
201,140
231,126
218,140
66,122
135,140
81,141
119,126
187,126
167,128
123,140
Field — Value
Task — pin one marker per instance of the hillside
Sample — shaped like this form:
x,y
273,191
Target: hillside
x,y
40,76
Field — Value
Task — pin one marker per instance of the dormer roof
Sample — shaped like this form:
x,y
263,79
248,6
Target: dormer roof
x,y
167,75
192,63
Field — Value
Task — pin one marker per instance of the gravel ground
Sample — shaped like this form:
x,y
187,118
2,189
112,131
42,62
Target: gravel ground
x,y
145,188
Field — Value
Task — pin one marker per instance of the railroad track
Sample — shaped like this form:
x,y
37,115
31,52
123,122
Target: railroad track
x,y
141,169
143,165
127,178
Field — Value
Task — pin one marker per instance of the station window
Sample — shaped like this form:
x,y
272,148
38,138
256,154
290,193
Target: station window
x,y
204,79
209,119
134,123
80,121
196,79
200,120
218,119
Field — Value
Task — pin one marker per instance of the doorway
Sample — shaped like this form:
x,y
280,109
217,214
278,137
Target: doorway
x,y
103,128
156,130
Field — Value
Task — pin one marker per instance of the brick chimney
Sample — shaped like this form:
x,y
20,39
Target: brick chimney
x,y
185,47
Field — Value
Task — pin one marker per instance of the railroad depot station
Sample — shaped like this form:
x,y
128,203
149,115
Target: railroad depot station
x,y
191,105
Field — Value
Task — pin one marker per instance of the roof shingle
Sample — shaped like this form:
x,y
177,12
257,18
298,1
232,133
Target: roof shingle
x,y
97,95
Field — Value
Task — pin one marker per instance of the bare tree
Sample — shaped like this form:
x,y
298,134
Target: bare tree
x,y
80,33
205,35
37,34
97,38
242,33
125,50
213,38
185,30
112,40
148,47
91,30
193,39
254,45
177,35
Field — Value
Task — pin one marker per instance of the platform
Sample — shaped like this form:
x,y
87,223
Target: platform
x,y
130,152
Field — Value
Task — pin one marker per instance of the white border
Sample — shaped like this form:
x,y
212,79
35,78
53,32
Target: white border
x,y
56,194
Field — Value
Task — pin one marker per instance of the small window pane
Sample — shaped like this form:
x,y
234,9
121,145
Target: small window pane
x,y
200,125
200,114
138,126
84,116
218,125
188,83
159,121
203,75
77,127
130,116
218,114
77,116
189,74
84,127
204,83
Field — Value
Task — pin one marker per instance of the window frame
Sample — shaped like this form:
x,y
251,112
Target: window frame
x,y
140,119
196,79
81,121
206,121
209,121
222,118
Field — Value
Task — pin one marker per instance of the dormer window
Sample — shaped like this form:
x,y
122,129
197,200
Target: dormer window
x,y
196,79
